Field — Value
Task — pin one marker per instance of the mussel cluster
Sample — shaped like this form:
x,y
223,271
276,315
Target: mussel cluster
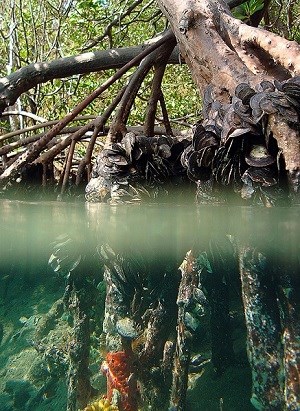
x,y
136,168
233,147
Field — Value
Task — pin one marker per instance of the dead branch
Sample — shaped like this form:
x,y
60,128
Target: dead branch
x,y
38,126
24,114
28,140
114,22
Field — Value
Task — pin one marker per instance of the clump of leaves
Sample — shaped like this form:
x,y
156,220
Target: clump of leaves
x,y
247,9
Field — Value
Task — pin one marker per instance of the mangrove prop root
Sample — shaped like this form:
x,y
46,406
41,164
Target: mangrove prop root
x,y
289,300
189,282
117,129
99,123
263,330
160,67
79,388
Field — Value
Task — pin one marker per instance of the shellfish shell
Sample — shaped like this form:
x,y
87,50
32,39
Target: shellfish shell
x,y
259,157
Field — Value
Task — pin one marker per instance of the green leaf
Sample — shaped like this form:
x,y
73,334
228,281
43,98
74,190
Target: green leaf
x,y
247,9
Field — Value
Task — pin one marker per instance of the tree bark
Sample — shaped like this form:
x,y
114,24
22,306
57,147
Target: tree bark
x,y
222,51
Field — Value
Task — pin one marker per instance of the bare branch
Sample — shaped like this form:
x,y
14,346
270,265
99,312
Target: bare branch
x,y
113,23
23,113
37,126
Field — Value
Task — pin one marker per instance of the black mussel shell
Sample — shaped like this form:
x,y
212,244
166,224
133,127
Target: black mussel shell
x,y
208,97
144,143
214,129
278,85
137,152
266,85
164,150
185,155
292,87
256,99
263,175
205,156
242,110
257,115
244,92
205,139
118,160
268,105
196,172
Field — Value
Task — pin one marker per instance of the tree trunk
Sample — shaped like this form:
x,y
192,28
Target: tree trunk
x,y
222,51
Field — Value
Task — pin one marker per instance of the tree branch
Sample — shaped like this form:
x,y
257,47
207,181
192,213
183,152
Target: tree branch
x,y
113,23
153,99
117,128
33,152
22,80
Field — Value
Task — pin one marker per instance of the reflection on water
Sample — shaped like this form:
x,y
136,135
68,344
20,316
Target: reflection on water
x,y
158,235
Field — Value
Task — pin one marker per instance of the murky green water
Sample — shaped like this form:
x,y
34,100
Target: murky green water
x,y
160,235
28,228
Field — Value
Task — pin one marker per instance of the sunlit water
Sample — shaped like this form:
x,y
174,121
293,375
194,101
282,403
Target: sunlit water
x,y
159,233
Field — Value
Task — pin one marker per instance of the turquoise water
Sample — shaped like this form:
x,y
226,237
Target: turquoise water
x,y
157,236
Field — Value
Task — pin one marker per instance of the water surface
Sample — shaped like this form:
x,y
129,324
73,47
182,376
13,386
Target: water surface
x,y
159,234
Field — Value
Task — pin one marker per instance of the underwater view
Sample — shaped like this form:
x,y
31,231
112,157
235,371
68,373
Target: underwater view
x,y
148,307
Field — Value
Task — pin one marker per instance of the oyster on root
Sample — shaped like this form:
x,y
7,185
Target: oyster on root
x,y
271,102
265,85
97,189
259,157
234,125
260,185
263,175
184,158
194,170
244,92
228,164
122,168
198,157
126,328
291,87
